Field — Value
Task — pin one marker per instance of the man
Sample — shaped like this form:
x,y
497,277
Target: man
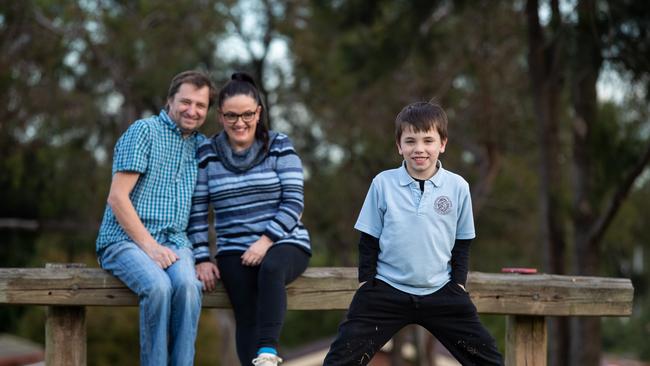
x,y
142,239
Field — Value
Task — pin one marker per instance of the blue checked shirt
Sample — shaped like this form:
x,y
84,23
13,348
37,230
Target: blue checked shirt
x,y
155,148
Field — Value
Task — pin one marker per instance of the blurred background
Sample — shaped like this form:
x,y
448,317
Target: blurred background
x,y
549,122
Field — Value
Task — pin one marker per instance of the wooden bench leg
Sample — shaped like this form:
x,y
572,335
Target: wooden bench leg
x,y
526,342
65,336
65,331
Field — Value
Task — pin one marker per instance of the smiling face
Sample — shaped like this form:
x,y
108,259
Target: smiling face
x,y
232,114
420,150
189,107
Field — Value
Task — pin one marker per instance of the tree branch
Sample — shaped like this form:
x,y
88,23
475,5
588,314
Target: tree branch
x,y
615,202
490,167
14,223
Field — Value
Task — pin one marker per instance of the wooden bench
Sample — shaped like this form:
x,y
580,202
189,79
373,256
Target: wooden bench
x,y
525,300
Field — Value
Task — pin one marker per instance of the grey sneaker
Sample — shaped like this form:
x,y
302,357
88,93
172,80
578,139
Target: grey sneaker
x,y
267,359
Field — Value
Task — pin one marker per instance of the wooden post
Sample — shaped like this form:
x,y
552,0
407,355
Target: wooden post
x,y
526,342
65,331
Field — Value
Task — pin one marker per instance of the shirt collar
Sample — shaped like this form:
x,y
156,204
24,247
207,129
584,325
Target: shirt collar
x,y
406,179
169,123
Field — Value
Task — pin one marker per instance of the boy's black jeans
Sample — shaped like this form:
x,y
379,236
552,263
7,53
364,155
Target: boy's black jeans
x,y
378,311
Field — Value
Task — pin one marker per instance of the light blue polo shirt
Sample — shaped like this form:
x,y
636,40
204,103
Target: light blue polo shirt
x,y
416,230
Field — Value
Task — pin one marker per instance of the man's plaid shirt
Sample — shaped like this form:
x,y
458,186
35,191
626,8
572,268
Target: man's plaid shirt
x,y
155,148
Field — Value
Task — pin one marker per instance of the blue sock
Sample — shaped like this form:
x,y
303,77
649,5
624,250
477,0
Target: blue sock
x,y
270,350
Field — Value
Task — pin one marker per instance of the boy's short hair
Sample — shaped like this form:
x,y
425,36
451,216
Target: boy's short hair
x,y
421,117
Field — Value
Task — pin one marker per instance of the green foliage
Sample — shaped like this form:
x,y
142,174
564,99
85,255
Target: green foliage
x,y
16,250
377,61
507,234
321,324
629,335
618,140
496,325
75,74
626,246
108,343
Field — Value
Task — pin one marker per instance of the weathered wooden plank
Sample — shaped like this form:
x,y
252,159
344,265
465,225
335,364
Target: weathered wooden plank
x,y
526,342
318,288
321,288
544,294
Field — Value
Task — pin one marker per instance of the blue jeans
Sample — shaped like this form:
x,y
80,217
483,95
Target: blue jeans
x,y
170,301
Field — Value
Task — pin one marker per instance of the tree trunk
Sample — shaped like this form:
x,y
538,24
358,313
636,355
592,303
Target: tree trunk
x,y
585,68
546,71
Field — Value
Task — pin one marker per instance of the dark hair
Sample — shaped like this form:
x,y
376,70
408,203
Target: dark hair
x,y
195,77
241,83
422,117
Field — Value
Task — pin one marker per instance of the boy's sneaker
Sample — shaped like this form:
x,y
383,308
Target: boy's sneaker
x,y
267,359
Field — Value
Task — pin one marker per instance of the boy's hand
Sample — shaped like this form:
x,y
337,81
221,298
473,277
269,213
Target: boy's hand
x,y
461,286
208,274
361,284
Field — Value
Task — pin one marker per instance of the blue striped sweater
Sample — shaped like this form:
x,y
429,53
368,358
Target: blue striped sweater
x,y
266,199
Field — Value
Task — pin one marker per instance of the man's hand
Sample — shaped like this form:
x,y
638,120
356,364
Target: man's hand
x,y
256,252
461,286
208,274
160,254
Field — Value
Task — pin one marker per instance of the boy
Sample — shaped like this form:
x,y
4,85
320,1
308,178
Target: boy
x,y
416,226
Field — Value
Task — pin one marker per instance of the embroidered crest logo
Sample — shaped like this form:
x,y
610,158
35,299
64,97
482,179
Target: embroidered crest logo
x,y
442,205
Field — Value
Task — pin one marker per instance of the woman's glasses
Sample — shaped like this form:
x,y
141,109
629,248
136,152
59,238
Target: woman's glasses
x,y
231,117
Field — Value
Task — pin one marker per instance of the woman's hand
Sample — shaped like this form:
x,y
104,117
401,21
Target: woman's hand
x,y
208,274
256,252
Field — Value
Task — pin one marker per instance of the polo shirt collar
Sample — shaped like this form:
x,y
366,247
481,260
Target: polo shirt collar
x,y
406,179
169,123
438,178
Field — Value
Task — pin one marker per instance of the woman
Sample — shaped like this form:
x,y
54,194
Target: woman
x,y
253,179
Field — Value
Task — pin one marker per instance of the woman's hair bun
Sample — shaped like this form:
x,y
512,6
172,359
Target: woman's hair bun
x,y
242,76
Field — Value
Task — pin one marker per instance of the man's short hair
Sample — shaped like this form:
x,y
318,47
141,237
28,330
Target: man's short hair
x,y
195,77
